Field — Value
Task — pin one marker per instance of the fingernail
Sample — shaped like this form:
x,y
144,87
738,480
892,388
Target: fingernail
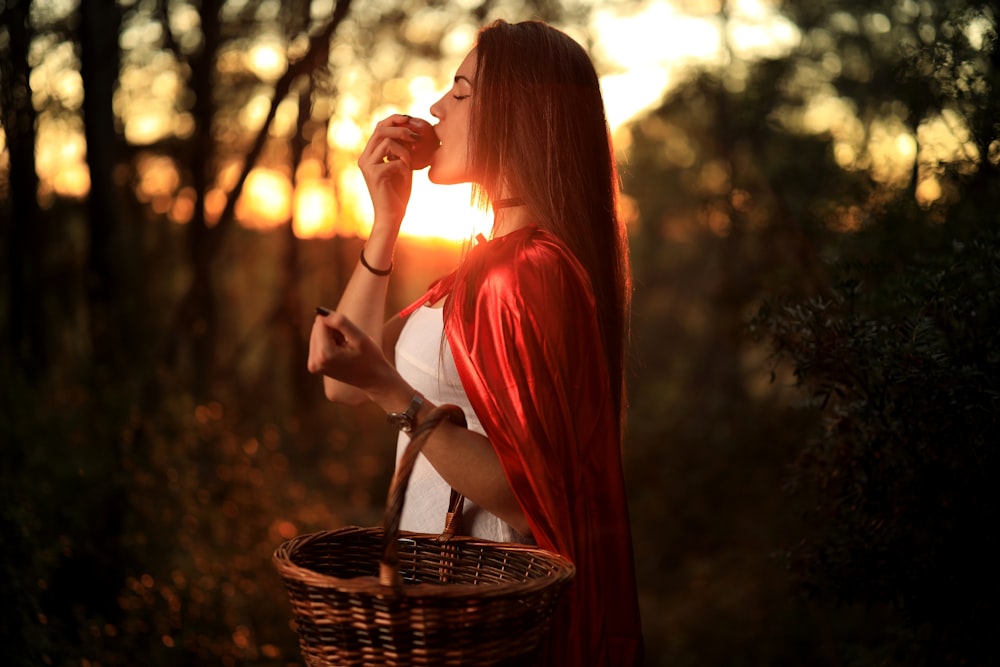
x,y
414,135
320,310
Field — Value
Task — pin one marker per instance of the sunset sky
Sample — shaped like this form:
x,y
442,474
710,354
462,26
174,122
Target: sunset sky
x,y
643,51
640,52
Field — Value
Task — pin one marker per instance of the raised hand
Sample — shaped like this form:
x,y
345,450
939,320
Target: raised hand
x,y
385,164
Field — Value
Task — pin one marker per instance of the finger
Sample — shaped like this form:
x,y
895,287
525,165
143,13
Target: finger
x,y
338,320
395,127
399,133
417,123
390,150
336,335
393,120
336,325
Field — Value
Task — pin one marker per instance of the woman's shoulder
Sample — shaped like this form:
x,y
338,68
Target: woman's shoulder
x,y
529,254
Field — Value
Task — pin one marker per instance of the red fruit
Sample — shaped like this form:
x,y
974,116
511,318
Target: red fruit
x,y
424,147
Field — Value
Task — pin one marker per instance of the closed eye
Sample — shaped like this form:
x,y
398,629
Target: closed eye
x,y
466,85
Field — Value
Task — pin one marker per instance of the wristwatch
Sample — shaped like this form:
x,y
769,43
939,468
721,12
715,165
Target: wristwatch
x,y
406,421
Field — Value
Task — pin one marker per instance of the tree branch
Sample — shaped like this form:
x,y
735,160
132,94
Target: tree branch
x,y
316,55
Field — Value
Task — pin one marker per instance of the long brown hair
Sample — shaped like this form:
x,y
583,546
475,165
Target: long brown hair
x,y
539,132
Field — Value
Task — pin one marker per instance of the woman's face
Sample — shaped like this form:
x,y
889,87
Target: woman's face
x,y
450,163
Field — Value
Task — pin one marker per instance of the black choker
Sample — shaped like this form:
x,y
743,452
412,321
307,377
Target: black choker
x,y
507,203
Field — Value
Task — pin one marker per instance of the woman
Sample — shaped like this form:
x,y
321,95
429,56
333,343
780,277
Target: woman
x,y
527,334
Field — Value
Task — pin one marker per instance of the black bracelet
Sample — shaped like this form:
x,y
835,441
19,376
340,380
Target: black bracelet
x,y
377,272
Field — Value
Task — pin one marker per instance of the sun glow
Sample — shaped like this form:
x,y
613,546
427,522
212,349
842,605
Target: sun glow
x,y
266,200
440,212
643,51
443,211
314,204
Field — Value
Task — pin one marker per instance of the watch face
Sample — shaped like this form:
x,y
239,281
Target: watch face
x,y
401,421
405,421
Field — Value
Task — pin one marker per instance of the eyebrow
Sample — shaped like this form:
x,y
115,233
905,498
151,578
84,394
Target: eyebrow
x,y
462,77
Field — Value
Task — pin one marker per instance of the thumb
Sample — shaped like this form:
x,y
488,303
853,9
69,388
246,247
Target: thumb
x,y
339,326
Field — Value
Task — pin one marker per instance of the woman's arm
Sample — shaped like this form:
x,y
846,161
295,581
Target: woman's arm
x,y
389,182
363,302
463,458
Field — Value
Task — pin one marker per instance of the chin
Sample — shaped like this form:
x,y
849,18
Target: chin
x,y
440,176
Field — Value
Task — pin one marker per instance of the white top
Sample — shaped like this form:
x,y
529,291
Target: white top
x,y
424,359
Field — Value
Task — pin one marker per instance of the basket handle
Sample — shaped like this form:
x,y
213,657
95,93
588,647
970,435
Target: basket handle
x,y
389,567
453,520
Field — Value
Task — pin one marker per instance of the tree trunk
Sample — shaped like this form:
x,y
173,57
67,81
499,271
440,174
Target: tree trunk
x,y
294,315
111,255
25,347
25,241
199,310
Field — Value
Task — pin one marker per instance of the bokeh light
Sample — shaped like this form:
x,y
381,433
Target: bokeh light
x,y
642,49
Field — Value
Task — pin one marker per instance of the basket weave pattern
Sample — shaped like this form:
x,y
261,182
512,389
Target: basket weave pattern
x,y
374,596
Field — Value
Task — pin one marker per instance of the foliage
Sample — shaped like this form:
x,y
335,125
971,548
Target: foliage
x,y
903,358
155,541
141,523
138,521
142,490
742,198
908,65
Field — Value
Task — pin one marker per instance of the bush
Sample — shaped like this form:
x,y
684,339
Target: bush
x,y
904,358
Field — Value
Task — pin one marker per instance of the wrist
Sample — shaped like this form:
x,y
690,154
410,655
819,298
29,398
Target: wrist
x,y
385,231
391,392
397,398
382,273
406,421
378,250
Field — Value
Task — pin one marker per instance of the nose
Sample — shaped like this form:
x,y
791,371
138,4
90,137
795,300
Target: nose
x,y
436,109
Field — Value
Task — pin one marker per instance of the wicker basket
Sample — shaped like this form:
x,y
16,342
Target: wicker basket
x,y
381,596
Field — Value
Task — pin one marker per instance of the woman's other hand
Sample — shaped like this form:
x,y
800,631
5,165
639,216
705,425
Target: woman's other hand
x,y
340,350
385,164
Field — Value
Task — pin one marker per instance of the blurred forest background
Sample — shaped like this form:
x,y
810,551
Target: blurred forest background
x,y
814,385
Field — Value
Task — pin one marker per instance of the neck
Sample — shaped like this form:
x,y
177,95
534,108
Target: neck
x,y
510,214
507,220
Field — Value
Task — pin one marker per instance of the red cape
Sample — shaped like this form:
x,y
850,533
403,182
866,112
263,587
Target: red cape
x,y
523,331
